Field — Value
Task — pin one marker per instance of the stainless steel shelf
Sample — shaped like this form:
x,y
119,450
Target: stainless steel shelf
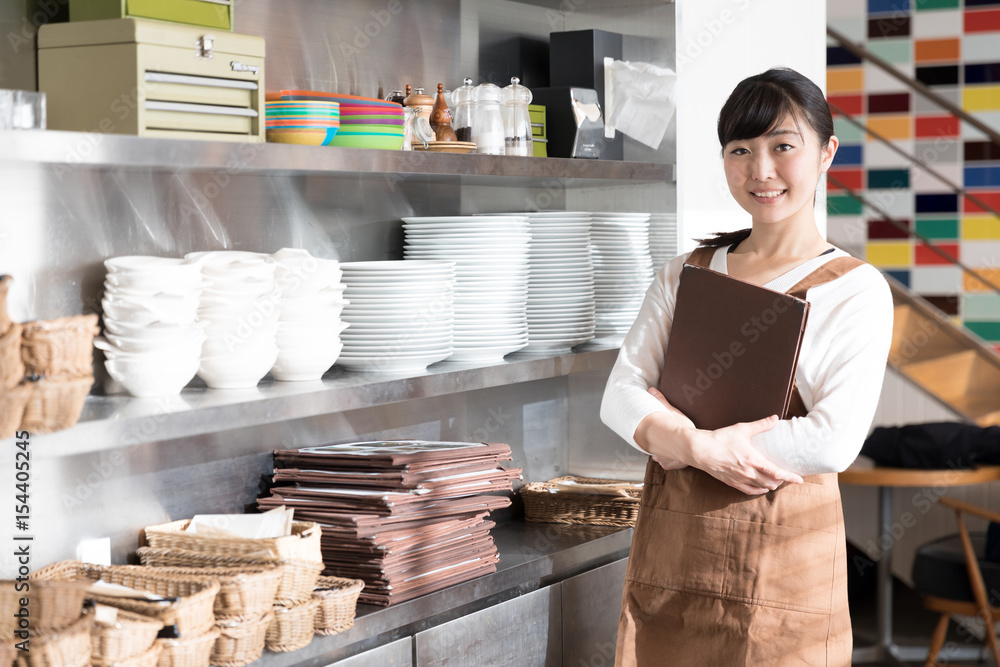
x,y
110,422
73,150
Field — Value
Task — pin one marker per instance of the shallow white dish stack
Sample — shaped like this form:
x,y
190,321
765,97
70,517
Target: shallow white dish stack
x,y
662,238
152,342
491,279
309,326
623,270
240,307
560,281
400,313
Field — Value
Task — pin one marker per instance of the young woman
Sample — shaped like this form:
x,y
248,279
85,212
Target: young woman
x,y
738,556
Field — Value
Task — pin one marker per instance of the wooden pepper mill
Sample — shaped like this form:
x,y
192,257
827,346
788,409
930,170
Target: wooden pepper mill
x,y
441,118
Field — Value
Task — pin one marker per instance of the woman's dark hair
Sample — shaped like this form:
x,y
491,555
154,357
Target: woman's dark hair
x,y
757,105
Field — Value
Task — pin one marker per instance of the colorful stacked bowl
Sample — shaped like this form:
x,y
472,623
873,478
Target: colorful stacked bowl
x,y
365,122
308,122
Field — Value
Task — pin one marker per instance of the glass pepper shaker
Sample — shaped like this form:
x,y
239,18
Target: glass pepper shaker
x,y
487,123
516,120
464,98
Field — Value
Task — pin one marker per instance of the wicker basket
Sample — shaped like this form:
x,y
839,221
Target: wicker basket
x,y
191,613
55,405
11,366
298,578
60,349
12,404
187,652
240,643
292,627
131,635
338,602
69,647
5,322
148,658
53,605
303,544
605,503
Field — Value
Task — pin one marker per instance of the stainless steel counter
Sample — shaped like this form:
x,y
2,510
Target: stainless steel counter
x,y
532,555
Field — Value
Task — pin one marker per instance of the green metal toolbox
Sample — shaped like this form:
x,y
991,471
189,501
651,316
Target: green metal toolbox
x,y
205,13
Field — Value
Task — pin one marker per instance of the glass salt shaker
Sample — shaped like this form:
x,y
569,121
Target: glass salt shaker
x,y
464,99
516,120
487,123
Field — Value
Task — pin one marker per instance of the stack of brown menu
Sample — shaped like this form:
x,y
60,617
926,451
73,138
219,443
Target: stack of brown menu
x,y
407,516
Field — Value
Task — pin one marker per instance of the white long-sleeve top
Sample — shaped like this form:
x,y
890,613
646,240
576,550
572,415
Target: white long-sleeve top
x,y
839,375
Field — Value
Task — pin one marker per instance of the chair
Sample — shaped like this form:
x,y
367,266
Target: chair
x,y
954,578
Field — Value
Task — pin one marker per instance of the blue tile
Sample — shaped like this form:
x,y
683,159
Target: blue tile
x,y
937,203
849,155
901,276
838,55
888,6
981,72
982,177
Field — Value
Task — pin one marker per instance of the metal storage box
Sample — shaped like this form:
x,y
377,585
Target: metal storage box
x,y
206,13
154,79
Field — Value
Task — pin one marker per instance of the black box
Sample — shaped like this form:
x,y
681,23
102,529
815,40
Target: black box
x,y
576,58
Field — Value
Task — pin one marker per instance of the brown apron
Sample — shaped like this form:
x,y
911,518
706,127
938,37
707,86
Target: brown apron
x,y
717,578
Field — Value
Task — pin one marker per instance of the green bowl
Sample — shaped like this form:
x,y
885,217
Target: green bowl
x,y
368,141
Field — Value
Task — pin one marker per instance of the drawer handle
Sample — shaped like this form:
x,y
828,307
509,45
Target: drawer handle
x,y
165,77
204,46
154,105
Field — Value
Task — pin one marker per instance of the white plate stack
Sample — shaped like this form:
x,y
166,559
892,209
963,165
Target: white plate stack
x,y
309,327
623,270
560,281
491,279
401,315
240,306
662,238
152,343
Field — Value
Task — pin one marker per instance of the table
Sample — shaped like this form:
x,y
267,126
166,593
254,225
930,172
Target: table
x,y
887,479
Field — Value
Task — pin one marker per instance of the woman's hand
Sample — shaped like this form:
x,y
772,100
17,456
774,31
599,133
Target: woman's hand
x,y
728,455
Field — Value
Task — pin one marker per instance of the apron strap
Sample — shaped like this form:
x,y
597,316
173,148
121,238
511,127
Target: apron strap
x,y
701,256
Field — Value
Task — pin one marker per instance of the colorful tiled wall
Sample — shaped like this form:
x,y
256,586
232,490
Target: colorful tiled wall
x,y
953,47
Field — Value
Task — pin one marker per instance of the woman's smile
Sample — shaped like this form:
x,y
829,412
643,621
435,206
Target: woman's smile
x,y
768,196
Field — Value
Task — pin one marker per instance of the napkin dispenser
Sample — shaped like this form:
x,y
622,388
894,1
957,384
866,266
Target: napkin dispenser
x,y
574,121
153,79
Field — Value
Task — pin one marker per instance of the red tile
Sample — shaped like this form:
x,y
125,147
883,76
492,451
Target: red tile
x,y
924,255
852,104
888,103
990,197
987,20
883,229
851,178
938,126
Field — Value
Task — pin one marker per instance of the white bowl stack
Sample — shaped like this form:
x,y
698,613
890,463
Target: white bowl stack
x,y
309,326
401,315
152,342
662,238
240,306
623,270
560,281
490,254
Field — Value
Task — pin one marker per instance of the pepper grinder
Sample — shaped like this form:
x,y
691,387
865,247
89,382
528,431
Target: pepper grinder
x,y
441,118
421,101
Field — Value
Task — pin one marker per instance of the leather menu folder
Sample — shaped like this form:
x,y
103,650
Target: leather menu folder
x,y
732,350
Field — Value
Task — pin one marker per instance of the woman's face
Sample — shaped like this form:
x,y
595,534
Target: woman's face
x,y
774,176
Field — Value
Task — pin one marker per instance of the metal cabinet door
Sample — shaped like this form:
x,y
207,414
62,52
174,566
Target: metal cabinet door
x,y
591,604
523,632
397,654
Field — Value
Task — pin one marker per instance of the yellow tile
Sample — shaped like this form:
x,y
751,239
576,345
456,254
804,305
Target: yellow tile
x,y
890,254
981,98
891,126
980,227
845,80
970,284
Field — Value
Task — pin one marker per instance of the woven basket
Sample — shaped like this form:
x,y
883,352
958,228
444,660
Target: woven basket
x,y
69,647
148,658
298,578
187,652
292,627
53,605
338,602
12,404
5,322
60,349
240,643
11,366
131,635
546,502
191,613
303,544
55,405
